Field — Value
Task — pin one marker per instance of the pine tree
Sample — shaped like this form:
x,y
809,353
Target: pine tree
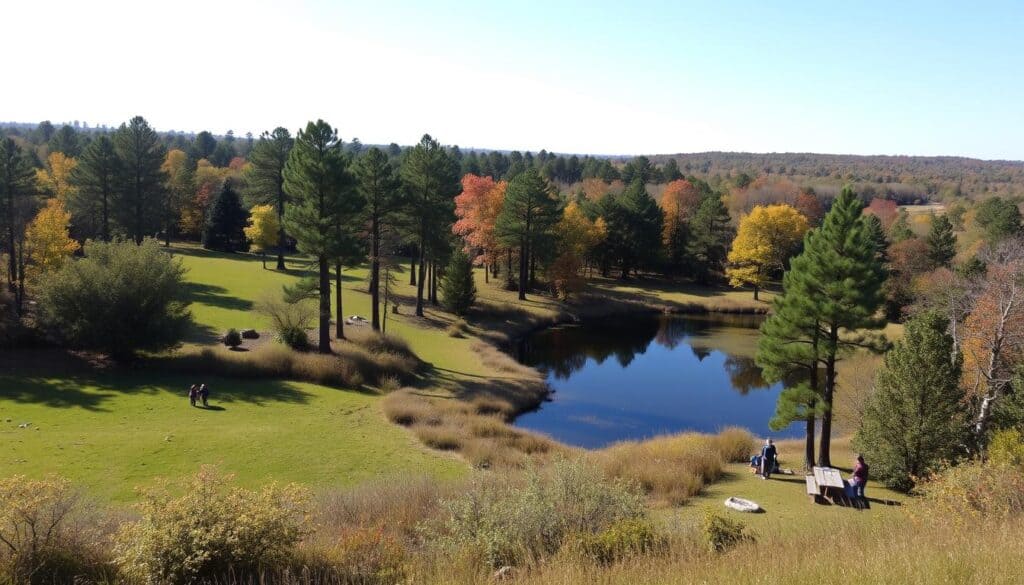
x,y
709,237
941,241
380,189
876,233
224,229
317,181
900,229
458,290
266,180
18,201
95,177
527,218
139,198
431,178
643,227
839,278
915,419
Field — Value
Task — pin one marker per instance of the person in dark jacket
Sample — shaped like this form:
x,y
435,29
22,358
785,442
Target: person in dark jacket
x,y
204,394
769,455
193,393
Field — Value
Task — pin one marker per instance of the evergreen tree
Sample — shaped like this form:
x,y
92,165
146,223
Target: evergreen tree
x,y
67,141
204,145
317,181
876,233
431,178
139,198
914,421
96,178
941,241
999,218
639,169
709,237
839,278
381,192
18,201
225,222
266,180
641,235
527,218
900,230
458,291
670,171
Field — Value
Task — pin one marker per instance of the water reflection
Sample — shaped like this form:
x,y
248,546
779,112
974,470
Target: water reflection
x,y
669,373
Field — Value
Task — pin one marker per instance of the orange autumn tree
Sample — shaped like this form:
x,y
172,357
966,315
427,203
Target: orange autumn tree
x,y
766,238
55,178
577,236
477,208
47,239
679,202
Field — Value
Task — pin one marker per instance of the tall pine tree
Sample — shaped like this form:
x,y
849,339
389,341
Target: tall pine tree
x,y
709,237
139,200
527,218
941,241
95,177
18,201
381,192
225,221
266,180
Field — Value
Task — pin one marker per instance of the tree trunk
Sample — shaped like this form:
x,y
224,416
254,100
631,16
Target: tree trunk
x,y
433,283
824,450
755,292
419,285
324,344
809,444
508,270
412,269
280,231
487,273
533,269
106,219
375,275
340,323
523,253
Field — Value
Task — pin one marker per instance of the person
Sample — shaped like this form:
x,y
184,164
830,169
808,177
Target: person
x,y
193,393
860,477
768,459
204,394
755,463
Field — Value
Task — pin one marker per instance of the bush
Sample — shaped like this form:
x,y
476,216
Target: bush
x,y
458,290
232,338
975,489
295,338
1007,448
367,556
119,299
290,321
721,533
507,524
211,530
621,540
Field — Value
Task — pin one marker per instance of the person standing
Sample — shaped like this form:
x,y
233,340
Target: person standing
x,y
860,477
204,394
768,459
193,393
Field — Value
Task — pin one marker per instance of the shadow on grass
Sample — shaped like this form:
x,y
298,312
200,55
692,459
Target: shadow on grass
x,y
215,296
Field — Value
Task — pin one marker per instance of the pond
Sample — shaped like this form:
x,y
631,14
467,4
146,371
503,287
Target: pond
x,y
632,378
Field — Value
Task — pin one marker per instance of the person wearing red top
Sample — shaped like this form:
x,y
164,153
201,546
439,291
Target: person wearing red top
x,y
860,477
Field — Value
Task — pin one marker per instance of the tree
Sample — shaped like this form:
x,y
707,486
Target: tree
x,y
380,188
139,198
66,142
266,179
263,229
225,222
900,230
670,171
95,179
204,145
766,238
458,290
839,278
577,237
808,203
431,178
679,202
180,188
526,220
639,169
121,298
709,237
885,210
914,420
46,238
17,197
999,218
635,225
55,178
477,209
316,179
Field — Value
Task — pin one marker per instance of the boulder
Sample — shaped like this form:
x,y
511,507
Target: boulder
x,y
250,334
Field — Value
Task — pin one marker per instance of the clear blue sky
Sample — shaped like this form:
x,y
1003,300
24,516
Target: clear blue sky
x,y
624,77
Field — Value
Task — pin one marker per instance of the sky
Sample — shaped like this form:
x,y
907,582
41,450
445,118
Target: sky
x,y
637,77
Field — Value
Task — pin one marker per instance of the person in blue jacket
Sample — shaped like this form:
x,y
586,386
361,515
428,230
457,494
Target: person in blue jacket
x,y
769,456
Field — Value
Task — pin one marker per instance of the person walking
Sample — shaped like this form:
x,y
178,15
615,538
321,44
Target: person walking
x,y
768,459
860,478
193,393
204,394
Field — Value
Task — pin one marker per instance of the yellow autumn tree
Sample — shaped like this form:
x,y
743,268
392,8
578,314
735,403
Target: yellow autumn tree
x,y
46,238
765,239
263,229
577,237
55,178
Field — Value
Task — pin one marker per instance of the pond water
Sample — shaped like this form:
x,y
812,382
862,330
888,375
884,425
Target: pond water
x,y
637,377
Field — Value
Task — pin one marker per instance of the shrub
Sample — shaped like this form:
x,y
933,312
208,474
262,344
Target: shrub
x,y
1007,448
295,338
360,555
975,489
211,530
119,299
621,540
459,328
721,533
290,321
232,338
509,524
458,290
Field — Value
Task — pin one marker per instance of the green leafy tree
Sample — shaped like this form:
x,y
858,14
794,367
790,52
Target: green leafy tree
x,y
121,298
431,178
204,145
380,189
839,278
915,419
266,179
999,218
458,290
900,230
316,179
19,203
95,178
941,241
139,200
639,169
527,219
709,237
224,229
67,141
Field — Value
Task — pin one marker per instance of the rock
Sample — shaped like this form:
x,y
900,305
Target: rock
x,y
24,425
503,573
250,334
